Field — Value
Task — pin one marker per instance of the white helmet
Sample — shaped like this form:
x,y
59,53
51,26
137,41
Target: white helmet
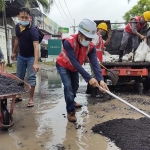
x,y
88,28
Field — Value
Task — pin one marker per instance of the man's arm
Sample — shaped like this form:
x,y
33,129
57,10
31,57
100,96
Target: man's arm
x,y
36,55
16,43
14,51
96,66
134,29
35,39
36,51
108,39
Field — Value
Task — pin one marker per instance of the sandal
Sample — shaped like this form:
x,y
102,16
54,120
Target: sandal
x,y
17,100
30,104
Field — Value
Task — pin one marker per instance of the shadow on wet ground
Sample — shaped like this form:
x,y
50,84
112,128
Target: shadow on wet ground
x,y
45,126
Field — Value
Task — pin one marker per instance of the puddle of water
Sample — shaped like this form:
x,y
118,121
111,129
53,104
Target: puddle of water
x,y
45,126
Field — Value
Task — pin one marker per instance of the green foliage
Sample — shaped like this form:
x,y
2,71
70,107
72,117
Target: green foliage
x,y
137,10
2,5
45,4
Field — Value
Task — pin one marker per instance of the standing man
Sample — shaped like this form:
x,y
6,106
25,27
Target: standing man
x,y
133,29
27,39
100,44
69,64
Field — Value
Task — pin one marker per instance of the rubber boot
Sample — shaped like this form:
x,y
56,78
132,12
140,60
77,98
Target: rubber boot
x,y
121,55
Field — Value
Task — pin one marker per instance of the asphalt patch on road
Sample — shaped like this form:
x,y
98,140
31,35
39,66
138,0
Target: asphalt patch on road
x,y
127,134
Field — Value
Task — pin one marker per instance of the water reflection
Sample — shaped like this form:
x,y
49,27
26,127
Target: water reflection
x,y
50,79
54,79
47,79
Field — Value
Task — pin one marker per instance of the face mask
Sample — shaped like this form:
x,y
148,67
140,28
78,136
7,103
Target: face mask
x,y
103,33
24,23
84,42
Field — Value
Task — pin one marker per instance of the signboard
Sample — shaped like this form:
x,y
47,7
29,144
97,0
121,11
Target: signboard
x,y
63,30
56,35
54,46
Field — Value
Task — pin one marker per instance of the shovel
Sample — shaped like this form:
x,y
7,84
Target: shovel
x,y
120,99
112,75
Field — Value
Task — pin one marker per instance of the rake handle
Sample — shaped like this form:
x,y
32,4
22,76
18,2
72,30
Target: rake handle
x,y
115,96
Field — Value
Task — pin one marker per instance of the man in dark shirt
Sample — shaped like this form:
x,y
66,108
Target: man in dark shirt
x,y
27,61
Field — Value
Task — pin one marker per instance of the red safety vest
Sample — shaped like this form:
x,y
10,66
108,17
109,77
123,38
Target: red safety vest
x,y
100,48
81,53
128,27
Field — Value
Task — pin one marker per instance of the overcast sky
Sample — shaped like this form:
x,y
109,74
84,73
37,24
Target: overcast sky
x,y
93,9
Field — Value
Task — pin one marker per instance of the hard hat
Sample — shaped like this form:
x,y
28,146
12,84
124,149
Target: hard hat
x,y
103,26
88,28
146,15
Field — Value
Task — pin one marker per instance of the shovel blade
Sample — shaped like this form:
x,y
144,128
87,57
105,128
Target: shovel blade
x,y
113,76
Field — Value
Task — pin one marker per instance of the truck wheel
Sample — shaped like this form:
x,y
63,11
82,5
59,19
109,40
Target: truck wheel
x,y
146,84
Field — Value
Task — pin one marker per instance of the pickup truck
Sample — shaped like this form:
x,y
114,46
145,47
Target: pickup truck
x,y
127,71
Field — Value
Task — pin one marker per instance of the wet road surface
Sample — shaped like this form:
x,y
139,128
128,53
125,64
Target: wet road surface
x,y
45,127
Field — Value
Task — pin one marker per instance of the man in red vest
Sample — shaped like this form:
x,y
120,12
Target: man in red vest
x,y
133,30
69,63
100,44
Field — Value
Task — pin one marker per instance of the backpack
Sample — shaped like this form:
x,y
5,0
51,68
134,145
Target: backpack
x,y
40,33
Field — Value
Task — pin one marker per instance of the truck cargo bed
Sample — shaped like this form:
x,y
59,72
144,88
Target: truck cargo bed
x,y
126,64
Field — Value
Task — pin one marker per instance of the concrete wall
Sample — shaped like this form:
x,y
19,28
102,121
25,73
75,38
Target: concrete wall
x,y
3,41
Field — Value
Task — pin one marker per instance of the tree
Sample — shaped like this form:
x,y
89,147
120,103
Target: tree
x,y
2,5
137,10
45,4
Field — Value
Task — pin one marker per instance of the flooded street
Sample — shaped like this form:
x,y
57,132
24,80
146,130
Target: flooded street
x,y
45,127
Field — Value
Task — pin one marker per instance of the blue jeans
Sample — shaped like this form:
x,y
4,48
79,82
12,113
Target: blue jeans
x,y
71,84
25,65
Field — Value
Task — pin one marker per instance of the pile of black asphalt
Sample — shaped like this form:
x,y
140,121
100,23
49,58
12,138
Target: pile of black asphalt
x,y
127,134
9,85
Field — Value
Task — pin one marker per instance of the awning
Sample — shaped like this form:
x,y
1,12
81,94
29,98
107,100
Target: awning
x,y
47,35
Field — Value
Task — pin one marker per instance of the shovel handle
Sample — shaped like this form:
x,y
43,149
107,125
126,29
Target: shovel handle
x,y
103,66
115,96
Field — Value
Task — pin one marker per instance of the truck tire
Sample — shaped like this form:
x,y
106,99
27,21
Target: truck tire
x,y
146,84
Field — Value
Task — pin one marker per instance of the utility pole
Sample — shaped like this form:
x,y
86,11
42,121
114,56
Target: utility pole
x,y
6,34
74,27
